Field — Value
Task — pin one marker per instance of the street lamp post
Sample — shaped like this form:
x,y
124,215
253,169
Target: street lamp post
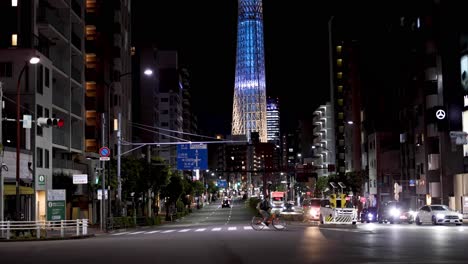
x,y
147,72
33,60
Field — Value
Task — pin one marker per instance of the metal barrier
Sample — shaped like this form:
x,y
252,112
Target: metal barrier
x,y
79,226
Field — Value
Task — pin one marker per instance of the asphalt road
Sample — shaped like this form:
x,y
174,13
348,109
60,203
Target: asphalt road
x,y
223,235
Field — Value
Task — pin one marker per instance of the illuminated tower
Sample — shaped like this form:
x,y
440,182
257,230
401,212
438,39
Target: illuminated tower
x,y
249,106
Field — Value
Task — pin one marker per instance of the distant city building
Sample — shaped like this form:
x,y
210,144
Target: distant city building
x,y
273,121
170,105
249,106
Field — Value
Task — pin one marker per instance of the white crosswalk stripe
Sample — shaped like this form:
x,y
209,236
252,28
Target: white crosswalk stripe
x,y
215,229
119,234
136,233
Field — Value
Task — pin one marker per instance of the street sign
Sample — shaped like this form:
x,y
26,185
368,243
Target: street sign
x,y
41,179
192,157
99,194
222,184
80,178
27,120
56,205
104,154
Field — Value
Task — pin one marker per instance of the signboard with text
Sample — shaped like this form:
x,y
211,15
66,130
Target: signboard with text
x,y
56,204
192,157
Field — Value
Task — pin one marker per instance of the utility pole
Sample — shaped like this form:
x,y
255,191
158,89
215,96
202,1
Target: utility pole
x,y
2,194
119,180
103,183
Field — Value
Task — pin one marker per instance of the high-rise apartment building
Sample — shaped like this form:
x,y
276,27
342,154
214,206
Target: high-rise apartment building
x,y
54,32
249,106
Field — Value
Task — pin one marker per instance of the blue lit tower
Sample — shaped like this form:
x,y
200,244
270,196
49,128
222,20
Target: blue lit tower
x,y
249,107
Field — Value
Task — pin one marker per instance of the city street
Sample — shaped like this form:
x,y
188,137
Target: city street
x,y
223,235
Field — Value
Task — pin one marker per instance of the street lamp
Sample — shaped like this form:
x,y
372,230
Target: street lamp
x,y
147,72
32,60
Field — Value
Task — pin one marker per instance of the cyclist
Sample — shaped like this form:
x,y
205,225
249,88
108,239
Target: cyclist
x,y
263,208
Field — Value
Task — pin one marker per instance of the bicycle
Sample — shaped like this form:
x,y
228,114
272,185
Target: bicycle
x,y
275,219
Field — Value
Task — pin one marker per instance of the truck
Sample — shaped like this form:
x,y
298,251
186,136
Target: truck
x,y
337,210
277,201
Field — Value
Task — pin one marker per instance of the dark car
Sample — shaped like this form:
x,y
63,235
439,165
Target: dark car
x,y
369,214
226,203
395,212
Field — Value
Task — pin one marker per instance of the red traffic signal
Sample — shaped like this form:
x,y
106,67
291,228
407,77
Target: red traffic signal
x,y
47,122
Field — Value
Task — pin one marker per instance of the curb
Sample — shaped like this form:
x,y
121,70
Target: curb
x,y
46,239
343,226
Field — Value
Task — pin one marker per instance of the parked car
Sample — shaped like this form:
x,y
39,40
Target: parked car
x,y
395,212
438,214
369,214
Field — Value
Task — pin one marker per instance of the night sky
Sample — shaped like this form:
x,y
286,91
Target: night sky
x,y
204,32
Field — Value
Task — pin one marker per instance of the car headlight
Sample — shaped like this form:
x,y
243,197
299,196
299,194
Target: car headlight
x,y
413,213
370,215
395,212
460,216
439,215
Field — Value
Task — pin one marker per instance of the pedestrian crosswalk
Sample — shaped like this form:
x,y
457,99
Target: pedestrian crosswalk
x,y
188,230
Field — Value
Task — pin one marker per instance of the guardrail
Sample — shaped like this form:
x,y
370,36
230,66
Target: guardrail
x,y
79,226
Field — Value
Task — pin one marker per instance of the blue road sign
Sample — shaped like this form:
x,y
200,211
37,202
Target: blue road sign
x,y
222,184
192,157
104,152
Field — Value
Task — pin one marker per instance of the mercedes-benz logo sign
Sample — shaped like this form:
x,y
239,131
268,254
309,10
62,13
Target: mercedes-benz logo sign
x,y
440,114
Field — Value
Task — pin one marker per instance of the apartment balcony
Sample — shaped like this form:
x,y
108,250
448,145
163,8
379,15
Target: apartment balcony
x,y
76,74
76,41
76,7
51,25
60,137
69,165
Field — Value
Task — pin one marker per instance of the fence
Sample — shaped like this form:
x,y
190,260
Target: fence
x,y
78,227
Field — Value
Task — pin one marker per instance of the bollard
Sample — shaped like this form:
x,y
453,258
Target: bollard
x,y
85,226
61,228
8,231
77,227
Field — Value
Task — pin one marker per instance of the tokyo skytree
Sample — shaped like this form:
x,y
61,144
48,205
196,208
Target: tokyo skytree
x,y
249,106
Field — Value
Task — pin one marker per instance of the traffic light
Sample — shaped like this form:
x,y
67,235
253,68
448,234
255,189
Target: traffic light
x,y
47,122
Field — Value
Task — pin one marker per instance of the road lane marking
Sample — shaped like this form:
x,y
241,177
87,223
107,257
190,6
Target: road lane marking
x,y
232,228
200,230
152,232
168,231
119,234
248,228
184,230
139,232
216,229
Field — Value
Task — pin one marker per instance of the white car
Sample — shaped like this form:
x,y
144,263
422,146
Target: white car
x,y
438,214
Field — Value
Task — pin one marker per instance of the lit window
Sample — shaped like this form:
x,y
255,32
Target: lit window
x,y
339,62
340,88
339,75
14,2
338,49
340,102
14,39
